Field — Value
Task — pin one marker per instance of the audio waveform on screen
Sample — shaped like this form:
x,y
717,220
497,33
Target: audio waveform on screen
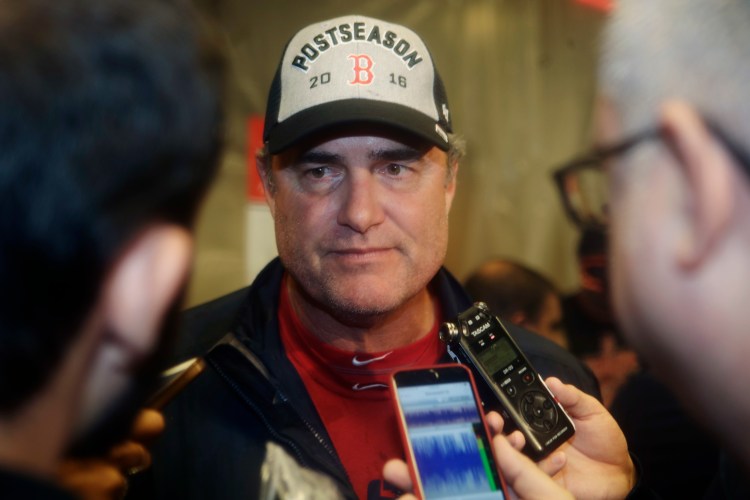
x,y
456,414
450,464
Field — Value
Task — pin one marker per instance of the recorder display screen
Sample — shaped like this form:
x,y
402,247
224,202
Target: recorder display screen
x,y
452,454
497,356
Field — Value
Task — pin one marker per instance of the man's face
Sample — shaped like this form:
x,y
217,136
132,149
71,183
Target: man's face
x,y
361,219
645,284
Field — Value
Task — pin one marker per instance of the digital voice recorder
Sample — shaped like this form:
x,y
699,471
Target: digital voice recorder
x,y
506,381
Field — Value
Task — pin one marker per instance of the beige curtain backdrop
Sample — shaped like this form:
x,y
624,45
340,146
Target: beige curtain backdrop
x,y
520,81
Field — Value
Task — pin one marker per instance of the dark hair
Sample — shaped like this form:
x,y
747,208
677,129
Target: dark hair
x,y
509,287
111,120
591,242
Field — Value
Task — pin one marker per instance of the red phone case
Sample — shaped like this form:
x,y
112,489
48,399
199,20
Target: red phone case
x,y
403,432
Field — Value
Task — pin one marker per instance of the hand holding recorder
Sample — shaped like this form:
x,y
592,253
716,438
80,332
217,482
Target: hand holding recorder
x,y
594,464
506,380
597,461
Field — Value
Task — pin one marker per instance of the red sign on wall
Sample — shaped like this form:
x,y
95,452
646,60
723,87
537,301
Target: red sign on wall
x,y
255,191
604,5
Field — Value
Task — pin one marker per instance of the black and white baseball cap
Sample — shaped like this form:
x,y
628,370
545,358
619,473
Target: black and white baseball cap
x,y
355,69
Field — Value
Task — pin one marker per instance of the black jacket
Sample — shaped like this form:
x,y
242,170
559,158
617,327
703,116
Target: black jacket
x,y
217,428
20,486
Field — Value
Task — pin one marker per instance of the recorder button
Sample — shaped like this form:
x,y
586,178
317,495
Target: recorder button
x,y
527,377
538,411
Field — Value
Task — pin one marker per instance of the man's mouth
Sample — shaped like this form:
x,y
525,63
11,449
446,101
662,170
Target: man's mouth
x,y
361,254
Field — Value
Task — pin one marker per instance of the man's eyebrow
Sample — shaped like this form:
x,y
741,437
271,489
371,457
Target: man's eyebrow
x,y
404,153
318,157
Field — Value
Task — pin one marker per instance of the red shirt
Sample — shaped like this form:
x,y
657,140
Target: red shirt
x,y
351,392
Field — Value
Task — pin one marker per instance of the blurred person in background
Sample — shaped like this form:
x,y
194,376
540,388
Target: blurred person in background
x,y
672,161
521,295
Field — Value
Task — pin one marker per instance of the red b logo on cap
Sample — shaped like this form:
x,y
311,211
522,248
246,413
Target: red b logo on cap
x,y
362,70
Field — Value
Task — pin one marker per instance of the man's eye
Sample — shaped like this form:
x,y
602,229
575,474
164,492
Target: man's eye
x,y
317,172
394,169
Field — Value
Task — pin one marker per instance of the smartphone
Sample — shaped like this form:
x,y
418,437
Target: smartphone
x,y
447,443
173,380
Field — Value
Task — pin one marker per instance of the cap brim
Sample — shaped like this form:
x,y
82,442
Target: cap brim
x,y
351,111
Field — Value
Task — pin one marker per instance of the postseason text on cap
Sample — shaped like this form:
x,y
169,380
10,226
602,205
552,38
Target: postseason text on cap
x,y
356,32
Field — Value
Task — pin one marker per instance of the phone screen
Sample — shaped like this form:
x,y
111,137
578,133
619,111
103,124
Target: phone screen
x,y
446,435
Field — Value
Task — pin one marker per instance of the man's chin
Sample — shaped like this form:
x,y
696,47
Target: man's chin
x,y
362,306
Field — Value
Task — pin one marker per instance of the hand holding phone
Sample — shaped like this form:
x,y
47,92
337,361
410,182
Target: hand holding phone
x,y
446,440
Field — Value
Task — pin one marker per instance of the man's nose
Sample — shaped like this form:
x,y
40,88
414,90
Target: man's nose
x,y
362,202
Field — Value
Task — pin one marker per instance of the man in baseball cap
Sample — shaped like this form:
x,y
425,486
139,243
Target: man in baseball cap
x,y
359,168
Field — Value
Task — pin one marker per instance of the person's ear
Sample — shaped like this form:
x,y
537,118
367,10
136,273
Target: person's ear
x,y
450,187
263,165
518,318
142,286
708,171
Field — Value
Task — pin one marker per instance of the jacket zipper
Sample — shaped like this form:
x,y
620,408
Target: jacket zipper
x,y
297,452
251,404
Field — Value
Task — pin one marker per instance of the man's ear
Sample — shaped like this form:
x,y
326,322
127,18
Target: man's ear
x,y
519,318
708,170
263,166
450,187
142,286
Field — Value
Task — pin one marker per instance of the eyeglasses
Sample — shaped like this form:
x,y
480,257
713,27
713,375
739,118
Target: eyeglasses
x,y
582,182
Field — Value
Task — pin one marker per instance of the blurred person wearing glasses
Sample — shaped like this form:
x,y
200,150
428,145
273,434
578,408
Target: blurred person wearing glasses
x,y
667,442
670,182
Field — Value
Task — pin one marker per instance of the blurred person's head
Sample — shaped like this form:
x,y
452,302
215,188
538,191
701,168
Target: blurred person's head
x,y
109,133
521,295
674,77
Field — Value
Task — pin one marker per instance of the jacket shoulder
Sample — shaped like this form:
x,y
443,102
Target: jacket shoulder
x,y
550,359
202,326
